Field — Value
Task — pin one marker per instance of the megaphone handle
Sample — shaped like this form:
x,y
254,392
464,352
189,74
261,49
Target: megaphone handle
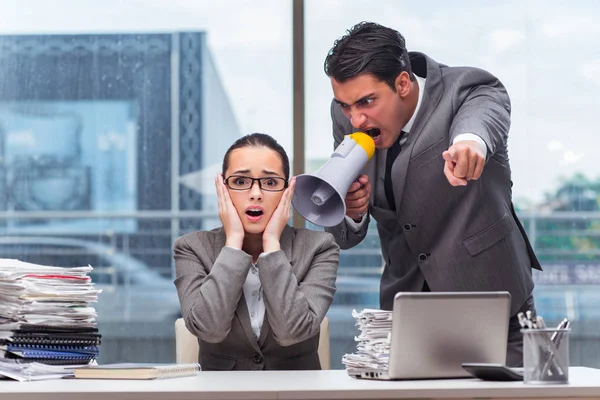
x,y
357,180
360,215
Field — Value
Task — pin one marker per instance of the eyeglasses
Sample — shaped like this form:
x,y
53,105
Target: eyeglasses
x,y
273,184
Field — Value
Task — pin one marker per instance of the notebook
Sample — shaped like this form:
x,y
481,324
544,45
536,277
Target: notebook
x,y
55,329
52,335
52,355
52,348
54,339
433,334
137,371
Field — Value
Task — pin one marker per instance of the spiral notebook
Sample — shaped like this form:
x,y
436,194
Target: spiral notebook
x,y
53,351
55,340
52,355
137,371
57,335
52,347
27,328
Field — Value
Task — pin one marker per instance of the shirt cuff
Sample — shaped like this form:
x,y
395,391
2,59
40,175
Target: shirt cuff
x,y
353,225
474,137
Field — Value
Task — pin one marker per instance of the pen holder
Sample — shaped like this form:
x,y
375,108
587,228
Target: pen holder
x,y
545,356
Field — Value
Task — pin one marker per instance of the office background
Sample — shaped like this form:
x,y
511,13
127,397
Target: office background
x,y
115,115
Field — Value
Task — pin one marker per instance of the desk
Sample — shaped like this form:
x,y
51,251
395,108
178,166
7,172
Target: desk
x,y
335,384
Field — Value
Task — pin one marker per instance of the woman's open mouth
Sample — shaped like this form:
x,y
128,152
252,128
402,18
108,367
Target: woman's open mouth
x,y
254,214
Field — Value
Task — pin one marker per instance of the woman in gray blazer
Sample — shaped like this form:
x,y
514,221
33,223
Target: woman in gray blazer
x,y
255,290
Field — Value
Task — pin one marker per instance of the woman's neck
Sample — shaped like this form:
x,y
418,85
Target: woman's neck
x,y
253,245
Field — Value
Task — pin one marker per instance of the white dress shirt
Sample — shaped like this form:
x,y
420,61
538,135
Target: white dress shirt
x,y
254,299
355,226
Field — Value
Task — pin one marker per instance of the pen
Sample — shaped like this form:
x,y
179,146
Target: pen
x,y
555,342
521,318
558,328
529,324
540,322
529,315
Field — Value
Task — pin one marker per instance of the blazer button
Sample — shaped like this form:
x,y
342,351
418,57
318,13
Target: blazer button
x,y
422,257
257,358
407,227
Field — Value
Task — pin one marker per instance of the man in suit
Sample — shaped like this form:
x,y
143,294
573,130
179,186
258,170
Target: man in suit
x,y
439,185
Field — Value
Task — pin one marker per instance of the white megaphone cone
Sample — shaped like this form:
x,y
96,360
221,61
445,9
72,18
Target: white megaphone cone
x,y
319,197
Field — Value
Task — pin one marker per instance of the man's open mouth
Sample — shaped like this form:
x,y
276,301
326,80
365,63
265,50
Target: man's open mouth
x,y
373,132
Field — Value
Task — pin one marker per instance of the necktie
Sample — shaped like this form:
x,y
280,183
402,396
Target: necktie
x,y
392,153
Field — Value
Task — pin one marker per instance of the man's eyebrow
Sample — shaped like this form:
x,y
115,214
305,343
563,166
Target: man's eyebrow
x,y
240,171
368,96
266,171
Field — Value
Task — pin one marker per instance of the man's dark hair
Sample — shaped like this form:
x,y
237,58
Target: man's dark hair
x,y
259,140
368,48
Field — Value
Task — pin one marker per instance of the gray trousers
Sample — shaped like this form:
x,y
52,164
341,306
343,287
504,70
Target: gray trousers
x,y
514,350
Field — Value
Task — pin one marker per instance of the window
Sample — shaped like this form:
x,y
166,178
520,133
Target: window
x,y
114,119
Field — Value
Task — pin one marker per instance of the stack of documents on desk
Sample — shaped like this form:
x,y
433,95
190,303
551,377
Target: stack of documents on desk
x,y
373,347
47,326
33,371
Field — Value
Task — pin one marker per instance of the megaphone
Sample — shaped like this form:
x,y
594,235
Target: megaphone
x,y
319,197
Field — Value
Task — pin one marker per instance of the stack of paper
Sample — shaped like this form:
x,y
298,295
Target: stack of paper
x,y
34,371
373,347
47,326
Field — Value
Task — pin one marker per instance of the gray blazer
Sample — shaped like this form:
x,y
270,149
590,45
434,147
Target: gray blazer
x,y
456,238
298,283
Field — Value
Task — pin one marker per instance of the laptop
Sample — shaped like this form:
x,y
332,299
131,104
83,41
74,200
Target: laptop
x,y
434,333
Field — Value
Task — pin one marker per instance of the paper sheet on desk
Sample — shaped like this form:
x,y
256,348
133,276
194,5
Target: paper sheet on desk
x,y
10,266
373,341
23,372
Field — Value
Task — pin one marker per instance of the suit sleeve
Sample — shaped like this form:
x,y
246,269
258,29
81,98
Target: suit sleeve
x,y
345,237
482,108
296,308
209,300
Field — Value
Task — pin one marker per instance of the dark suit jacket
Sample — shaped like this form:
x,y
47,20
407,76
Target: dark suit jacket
x,y
298,283
455,238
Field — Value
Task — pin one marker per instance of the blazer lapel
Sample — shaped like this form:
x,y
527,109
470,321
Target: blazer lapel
x,y
376,170
241,313
264,331
431,97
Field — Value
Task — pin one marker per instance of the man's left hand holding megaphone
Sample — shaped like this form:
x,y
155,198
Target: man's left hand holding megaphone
x,y
333,191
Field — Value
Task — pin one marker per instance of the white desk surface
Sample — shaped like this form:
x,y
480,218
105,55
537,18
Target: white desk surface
x,y
335,384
